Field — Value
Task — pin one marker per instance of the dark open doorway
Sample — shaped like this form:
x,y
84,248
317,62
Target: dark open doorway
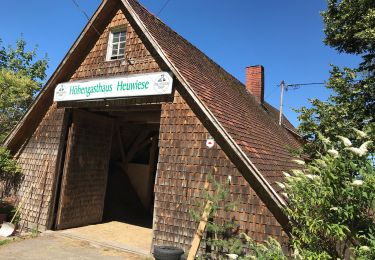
x,y
109,167
132,168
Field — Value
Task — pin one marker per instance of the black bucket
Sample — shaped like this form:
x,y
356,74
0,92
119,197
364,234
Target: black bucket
x,y
167,253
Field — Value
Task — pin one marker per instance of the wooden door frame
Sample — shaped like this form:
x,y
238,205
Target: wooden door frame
x,y
66,156
59,169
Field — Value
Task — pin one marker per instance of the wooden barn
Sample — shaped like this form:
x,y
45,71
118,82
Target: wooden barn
x,y
131,124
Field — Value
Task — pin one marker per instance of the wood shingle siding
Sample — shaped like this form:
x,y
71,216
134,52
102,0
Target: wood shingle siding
x,y
95,63
184,165
232,115
45,145
206,101
86,163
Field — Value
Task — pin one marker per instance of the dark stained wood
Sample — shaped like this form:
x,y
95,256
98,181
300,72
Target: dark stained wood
x,y
95,64
44,146
85,170
184,161
121,144
226,108
40,135
183,168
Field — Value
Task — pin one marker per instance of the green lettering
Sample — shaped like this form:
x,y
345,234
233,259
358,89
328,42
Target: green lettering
x,y
119,85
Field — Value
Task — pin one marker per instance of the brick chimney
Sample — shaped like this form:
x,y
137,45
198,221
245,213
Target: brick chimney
x,y
255,81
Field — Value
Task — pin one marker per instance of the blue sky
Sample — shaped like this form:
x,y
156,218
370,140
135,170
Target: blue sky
x,y
286,37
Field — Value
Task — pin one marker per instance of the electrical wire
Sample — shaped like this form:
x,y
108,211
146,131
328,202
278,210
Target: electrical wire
x,y
163,7
85,14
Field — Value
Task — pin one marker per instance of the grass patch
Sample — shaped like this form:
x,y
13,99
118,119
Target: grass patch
x,y
5,241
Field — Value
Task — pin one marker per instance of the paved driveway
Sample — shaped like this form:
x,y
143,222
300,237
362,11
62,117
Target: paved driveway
x,y
52,246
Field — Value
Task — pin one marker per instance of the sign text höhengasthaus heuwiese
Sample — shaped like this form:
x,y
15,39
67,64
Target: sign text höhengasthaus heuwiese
x,y
149,84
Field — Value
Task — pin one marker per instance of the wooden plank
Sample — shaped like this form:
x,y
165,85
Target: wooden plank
x,y
135,146
85,171
128,108
152,165
139,116
65,168
121,144
198,235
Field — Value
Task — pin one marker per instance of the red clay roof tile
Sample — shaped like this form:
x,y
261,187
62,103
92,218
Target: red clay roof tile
x,y
254,128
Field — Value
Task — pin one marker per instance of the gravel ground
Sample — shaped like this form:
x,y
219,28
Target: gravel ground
x,y
53,246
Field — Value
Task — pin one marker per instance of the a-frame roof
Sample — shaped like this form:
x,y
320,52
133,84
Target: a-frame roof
x,y
247,132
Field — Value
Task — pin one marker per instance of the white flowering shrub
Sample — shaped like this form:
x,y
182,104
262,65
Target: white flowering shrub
x,y
331,202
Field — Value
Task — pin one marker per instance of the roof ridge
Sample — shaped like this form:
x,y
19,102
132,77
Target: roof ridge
x,y
213,62
221,101
154,16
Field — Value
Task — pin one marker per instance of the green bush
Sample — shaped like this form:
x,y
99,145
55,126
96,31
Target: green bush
x,y
331,202
10,173
223,237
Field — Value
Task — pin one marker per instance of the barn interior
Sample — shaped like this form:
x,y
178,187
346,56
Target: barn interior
x,y
128,184
132,167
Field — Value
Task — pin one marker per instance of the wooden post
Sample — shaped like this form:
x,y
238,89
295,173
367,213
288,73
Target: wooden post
x,y
198,235
282,85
